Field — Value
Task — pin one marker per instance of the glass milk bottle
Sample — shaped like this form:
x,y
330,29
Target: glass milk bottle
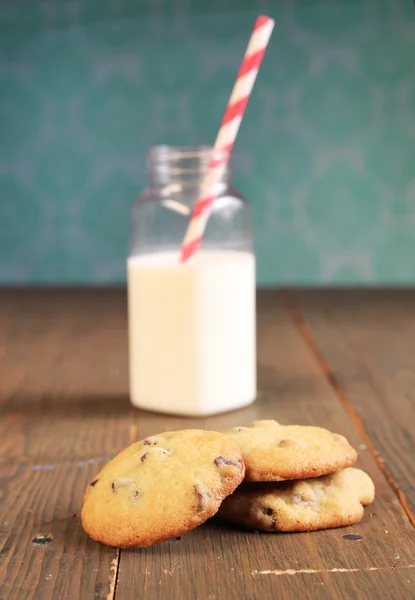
x,y
192,341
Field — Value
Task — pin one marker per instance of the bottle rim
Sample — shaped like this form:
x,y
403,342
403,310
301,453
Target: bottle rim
x,y
184,152
165,162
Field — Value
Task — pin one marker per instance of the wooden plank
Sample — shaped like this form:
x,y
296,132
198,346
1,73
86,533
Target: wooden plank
x,y
214,562
64,409
365,342
47,503
65,363
63,412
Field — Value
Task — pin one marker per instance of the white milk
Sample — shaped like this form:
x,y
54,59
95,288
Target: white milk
x,y
192,332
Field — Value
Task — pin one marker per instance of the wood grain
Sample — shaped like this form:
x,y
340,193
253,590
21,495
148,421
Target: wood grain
x,y
365,343
212,559
64,411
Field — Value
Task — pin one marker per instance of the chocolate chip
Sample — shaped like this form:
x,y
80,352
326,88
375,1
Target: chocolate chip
x,y
239,429
153,440
352,537
202,497
136,494
285,443
155,451
221,460
121,482
94,482
268,512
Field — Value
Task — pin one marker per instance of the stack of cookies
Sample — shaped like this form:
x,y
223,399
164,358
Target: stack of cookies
x,y
267,477
297,478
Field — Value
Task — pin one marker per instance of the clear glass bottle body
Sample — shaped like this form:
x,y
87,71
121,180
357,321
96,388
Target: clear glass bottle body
x,y
192,341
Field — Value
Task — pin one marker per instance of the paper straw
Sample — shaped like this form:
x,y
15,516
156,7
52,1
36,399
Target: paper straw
x,y
227,134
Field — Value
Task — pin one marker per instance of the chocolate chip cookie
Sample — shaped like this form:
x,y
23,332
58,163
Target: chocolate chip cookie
x,y
161,487
334,500
274,452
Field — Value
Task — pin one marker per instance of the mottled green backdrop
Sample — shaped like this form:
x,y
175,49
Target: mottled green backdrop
x,y
326,152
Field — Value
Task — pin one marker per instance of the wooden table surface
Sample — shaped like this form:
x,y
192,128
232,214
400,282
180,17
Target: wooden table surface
x,y
344,360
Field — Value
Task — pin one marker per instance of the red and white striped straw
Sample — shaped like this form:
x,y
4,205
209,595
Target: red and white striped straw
x,y
227,134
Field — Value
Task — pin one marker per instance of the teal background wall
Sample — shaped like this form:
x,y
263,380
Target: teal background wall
x,y
326,152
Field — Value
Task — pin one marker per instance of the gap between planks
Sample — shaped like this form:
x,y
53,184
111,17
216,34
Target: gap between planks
x,y
306,333
115,563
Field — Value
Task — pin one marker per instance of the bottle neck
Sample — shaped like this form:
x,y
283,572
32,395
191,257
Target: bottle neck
x,y
185,167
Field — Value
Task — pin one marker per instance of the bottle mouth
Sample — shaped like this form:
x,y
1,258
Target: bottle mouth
x,y
183,160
